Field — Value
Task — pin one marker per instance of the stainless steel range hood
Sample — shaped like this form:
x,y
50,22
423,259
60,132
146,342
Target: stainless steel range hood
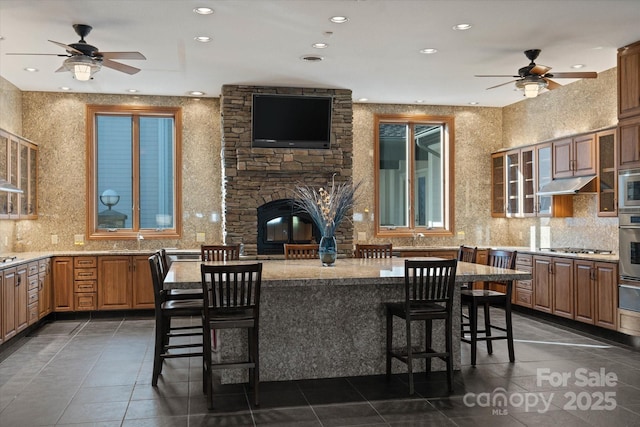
x,y
575,185
8,187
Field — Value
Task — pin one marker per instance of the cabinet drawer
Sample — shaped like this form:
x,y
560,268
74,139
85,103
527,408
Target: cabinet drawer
x,y
523,259
629,322
524,284
524,298
32,314
33,283
32,268
85,286
32,297
43,266
85,274
85,262
84,302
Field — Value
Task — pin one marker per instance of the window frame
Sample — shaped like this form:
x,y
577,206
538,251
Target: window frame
x,y
95,233
448,175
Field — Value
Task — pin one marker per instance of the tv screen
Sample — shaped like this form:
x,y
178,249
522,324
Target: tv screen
x,y
289,121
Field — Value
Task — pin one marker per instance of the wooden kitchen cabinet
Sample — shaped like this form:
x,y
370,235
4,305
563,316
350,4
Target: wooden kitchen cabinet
x,y
9,281
523,289
498,203
85,283
607,173
542,283
606,294
63,284
574,156
562,287
629,143
19,166
114,282
629,80
124,282
585,290
45,305
32,293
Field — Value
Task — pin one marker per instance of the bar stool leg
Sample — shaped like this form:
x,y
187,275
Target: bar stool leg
x,y
409,357
389,343
507,311
487,326
473,320
428,344
449,350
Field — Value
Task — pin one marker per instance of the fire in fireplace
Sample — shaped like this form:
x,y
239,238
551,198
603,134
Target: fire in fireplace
x,y
279,223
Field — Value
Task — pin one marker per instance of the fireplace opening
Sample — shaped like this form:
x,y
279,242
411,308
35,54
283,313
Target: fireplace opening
x,y
279,223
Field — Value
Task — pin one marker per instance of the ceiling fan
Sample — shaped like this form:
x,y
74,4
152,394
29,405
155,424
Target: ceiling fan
x,y
84,60
533,77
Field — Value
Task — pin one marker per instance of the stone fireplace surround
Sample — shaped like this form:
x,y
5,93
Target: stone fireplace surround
x,y
255,176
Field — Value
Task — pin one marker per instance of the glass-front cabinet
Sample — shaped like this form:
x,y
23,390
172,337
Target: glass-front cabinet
x,y
18,166
607,176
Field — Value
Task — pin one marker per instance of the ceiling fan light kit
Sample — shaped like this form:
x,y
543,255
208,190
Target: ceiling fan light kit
x,y
81,67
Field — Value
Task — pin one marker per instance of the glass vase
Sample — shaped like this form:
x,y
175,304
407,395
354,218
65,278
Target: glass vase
x,y
328,250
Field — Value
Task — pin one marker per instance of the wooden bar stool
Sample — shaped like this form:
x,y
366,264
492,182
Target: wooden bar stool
x,y
383,250
486,298
428,296
219,252
300,251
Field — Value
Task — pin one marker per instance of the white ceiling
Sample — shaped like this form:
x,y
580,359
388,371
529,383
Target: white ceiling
x,y
375,54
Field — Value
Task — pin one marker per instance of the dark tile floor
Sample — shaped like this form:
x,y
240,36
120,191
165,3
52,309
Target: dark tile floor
x,y
98,373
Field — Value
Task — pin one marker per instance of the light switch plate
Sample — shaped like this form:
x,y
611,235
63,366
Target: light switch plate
x,y
78,239
54,239
200,237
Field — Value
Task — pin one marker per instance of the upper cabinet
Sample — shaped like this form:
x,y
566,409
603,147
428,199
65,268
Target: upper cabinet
x,y
19,166
629,143
498,205
629,80
574,156
607,175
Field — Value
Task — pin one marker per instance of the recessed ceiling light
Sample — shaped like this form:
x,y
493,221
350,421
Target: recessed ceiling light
x,y
577,66
474,103
338,19
31,69
428,50
203,39
203,10
363,99
196,93
132,90
320,45
65,88
419,101
461,27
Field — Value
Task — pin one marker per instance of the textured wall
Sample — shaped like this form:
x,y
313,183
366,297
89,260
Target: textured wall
x,y
585,105
57,123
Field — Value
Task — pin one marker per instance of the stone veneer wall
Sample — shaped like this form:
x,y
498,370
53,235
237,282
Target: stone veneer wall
x,y
254,176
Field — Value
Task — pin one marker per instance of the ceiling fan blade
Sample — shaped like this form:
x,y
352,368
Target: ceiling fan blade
x,y
61,69
539,70
67,47
578,75
119,66
494,75
502,84
43,54
551,84
121,55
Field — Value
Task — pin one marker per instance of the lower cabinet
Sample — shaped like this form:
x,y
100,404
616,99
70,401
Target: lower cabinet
x,y
44,288
9,280
523,289
124,282
63,283
579,289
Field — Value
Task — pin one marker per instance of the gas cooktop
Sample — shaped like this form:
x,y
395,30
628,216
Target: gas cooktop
x,y
578,251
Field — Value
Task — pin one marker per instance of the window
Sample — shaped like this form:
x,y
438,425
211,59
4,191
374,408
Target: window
x,y
414,175
133,172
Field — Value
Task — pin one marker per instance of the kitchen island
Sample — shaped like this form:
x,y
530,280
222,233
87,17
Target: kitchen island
x,y
322,322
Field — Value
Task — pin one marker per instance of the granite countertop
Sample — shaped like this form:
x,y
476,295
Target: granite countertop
x,y
24,257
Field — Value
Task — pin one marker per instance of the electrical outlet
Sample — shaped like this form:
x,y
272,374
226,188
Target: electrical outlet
x,y
200,237
78,239
461,235
54,239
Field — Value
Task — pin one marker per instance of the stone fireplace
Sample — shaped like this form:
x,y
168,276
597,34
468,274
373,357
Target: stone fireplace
x,y
254,177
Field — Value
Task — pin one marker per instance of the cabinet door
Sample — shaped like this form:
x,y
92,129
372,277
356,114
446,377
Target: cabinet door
x,y
629,143
528,167
512,159
584,155
562,158
607,173
585,289
114,282
142,285
563,287
542,283
629,80
22,300
606,294
44,288
498,204
62,278
4,174
9,303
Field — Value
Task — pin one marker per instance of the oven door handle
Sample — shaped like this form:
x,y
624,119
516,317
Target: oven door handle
x,y
629,286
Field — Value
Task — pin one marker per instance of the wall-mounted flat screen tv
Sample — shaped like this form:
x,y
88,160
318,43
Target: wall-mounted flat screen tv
x,y
289,121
